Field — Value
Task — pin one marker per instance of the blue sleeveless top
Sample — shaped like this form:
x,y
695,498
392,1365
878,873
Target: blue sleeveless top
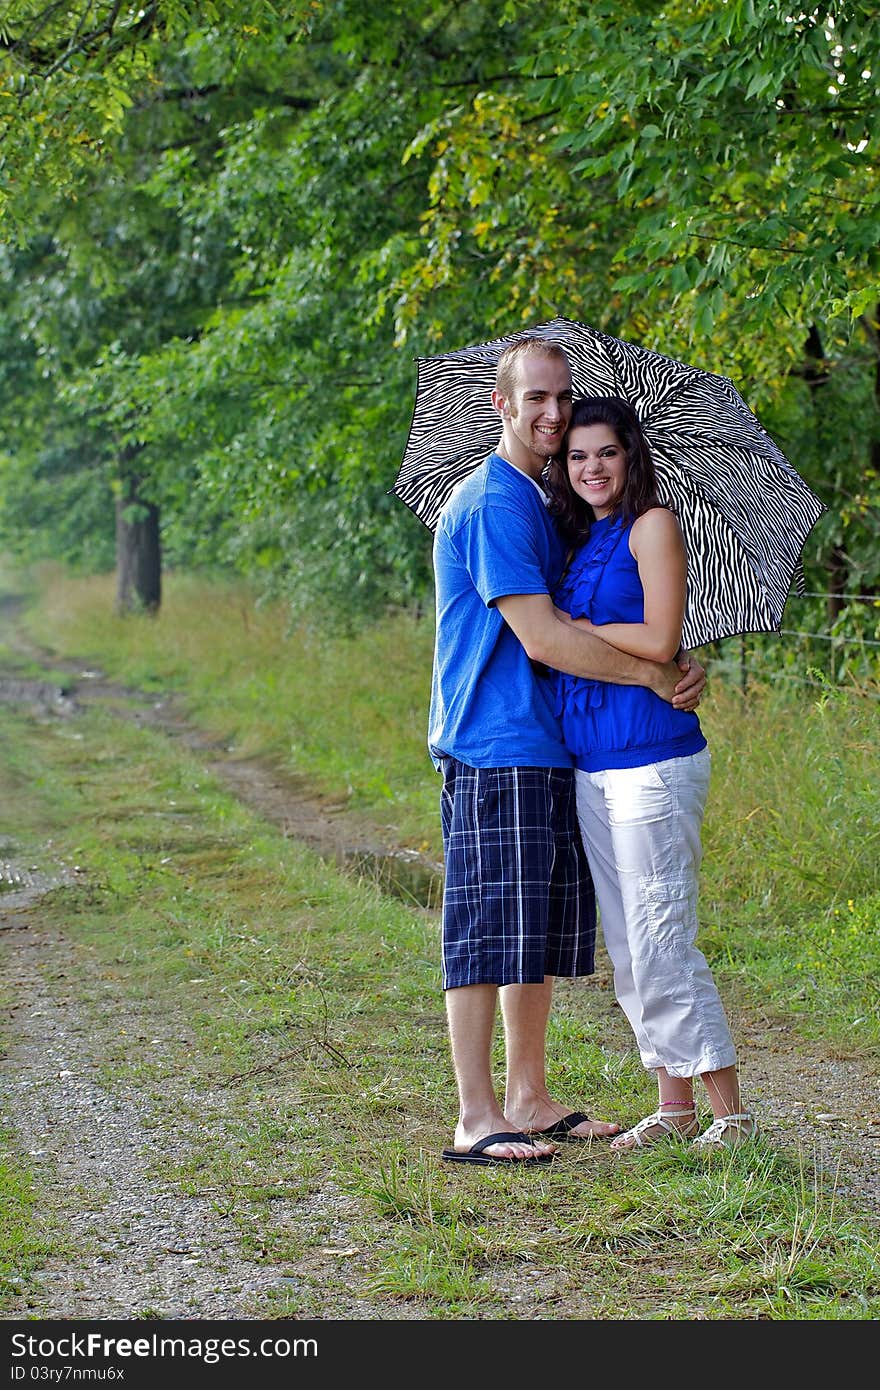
x,y
606,725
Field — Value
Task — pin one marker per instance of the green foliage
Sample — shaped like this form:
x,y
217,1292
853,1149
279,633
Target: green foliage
x,y
235,226
701,179
831,431
772,111
70,77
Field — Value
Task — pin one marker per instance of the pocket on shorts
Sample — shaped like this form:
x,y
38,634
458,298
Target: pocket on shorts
x,y
679,775
671,912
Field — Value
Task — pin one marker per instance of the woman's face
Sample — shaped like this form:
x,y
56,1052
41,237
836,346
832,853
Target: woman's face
x,y
596,466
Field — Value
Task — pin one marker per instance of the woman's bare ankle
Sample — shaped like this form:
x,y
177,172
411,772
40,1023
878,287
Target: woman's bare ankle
x,y
680,1113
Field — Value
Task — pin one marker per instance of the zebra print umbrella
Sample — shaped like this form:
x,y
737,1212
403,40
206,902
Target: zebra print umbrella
x,y
744,510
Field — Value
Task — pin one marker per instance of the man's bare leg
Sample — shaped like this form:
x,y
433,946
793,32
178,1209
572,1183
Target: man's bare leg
x,y
470,1011
528,1103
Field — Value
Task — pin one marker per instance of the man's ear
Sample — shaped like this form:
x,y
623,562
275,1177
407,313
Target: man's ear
x,y
501,404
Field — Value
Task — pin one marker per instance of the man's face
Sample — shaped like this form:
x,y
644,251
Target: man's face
x,y
537,412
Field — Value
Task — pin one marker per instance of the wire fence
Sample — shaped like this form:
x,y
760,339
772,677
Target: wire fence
x,y
848,598
838,659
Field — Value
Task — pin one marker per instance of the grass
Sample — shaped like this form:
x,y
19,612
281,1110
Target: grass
x,y
791,868
27,1238
291,696
287,1020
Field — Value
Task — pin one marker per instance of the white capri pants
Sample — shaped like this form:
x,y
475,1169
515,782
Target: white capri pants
x,y
641,828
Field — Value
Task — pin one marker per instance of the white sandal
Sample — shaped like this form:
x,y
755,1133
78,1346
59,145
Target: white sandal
x,y
637,1134
728,1132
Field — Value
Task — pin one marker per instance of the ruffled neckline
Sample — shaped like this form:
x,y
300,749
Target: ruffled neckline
x,y
577,587
575,695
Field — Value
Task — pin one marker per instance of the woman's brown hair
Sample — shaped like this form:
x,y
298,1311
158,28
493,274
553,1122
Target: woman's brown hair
x,y
573,515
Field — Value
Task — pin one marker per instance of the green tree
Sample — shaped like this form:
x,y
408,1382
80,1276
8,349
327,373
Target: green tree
x,y
283,414
282,205
70,75
701,178
115,272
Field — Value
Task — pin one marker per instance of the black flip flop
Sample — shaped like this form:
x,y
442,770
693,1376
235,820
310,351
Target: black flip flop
x,y
562,1127
475,1153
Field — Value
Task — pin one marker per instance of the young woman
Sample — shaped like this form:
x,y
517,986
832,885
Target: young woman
x,y
642,771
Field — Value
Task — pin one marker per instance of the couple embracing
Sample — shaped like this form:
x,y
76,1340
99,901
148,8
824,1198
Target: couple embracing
x,y
574,769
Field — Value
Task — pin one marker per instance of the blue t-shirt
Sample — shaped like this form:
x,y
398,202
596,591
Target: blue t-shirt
x,y
604,725
489,706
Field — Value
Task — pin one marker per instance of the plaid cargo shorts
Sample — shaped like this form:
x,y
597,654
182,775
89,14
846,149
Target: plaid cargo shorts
x,y
518,900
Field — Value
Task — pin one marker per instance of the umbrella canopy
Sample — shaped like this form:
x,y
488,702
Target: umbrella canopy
x,y
744,510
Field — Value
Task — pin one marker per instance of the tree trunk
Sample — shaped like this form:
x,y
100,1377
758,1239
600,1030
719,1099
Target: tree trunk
x,y
816,376
875,448
138,553
838,575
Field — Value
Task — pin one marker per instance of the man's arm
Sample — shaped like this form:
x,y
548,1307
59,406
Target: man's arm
x,y
546,638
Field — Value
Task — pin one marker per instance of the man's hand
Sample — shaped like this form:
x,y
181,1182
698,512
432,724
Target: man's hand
x,y
553,638
689,689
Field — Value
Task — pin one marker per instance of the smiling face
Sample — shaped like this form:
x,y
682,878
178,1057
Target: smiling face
x,y
597,466
536,411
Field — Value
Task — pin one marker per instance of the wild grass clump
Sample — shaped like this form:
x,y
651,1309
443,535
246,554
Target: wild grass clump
x,y
28,1236
791,869
792,821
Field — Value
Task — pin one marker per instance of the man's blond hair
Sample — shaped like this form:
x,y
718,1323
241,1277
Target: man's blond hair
x,y
507,367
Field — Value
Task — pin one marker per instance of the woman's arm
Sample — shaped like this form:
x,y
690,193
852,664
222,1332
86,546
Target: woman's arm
x,y
657,546
557,644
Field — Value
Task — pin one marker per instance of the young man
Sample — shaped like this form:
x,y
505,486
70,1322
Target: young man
x,y
518,905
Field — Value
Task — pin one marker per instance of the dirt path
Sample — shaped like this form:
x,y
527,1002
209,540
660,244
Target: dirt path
x,y
139,1247
287,801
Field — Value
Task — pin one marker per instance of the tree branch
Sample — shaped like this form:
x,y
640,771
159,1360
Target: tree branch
x,y
105,36
168,94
